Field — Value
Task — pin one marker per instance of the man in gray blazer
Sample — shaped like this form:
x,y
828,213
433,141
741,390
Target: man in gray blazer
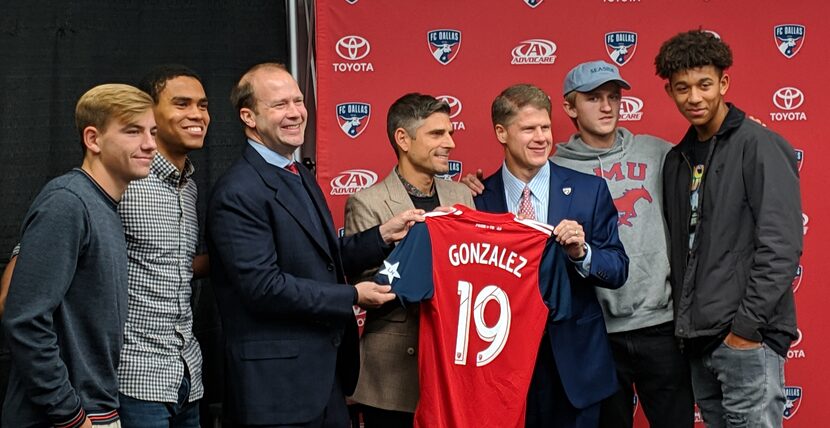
x,y
420,132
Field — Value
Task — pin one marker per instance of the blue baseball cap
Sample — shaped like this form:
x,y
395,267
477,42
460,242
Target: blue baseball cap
x,y
588,76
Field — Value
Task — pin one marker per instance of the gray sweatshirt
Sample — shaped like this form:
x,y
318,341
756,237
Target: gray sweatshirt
x,y
66,308
632,167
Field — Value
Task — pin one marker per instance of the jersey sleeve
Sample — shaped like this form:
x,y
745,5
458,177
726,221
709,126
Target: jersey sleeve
x,y
409,267
554,283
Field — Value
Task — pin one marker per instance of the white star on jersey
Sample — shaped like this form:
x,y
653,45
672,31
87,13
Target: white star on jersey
x,y
390,270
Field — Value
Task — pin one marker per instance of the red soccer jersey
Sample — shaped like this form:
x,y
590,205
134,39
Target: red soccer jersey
x,y
482,312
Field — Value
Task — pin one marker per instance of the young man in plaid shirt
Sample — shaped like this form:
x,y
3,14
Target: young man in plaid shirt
x,y
161,364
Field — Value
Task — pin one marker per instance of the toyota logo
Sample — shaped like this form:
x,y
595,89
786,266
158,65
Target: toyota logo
x,y
453,102
352,48
788,98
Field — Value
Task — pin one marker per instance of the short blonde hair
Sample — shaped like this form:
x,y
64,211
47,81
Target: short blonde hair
x,y
103,103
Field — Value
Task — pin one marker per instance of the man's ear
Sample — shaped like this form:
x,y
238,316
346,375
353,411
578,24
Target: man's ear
x,y
248,117
501,133
570,110
724,84
403,140
667,88
92,137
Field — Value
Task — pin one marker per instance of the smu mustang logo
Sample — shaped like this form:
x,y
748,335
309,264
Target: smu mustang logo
x,y
353,118
454,173
793,395
621,46
444,44
625,204
789,38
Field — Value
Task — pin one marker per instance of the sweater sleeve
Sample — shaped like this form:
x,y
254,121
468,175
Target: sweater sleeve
x,y
55,233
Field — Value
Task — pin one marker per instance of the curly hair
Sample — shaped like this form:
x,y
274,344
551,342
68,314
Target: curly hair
x,y
692,49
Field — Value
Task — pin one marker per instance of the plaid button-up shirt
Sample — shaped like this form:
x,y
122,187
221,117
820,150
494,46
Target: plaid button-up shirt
x,y
162,231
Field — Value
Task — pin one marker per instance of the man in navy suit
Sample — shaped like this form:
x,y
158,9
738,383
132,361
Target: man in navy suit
x,y
279,270
575,368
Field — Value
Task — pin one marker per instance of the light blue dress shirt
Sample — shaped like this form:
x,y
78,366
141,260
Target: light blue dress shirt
x,y
539,196
269,155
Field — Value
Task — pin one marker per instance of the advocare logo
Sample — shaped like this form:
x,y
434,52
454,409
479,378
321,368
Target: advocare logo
x,y
620,1
630,108
804,221
351,1
795,352
353,48
455,110
533,3
534,52
352,180
788,98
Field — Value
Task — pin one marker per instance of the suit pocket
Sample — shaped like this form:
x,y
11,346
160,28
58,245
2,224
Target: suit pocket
x,y
267,350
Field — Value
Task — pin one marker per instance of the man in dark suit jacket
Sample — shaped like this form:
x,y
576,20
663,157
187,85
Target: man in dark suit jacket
x,y
575,368
278,269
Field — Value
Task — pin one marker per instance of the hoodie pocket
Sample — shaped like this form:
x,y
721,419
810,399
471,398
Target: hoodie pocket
x,y
647,288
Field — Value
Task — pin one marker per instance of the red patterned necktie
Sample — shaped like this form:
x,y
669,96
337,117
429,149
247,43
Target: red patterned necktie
x,y
526,206
292,167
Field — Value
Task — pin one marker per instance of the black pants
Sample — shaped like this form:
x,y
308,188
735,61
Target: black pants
x,y
547,403
649,359
335,414
380,418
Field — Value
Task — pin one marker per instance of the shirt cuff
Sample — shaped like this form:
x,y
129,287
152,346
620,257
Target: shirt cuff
x,y
583,266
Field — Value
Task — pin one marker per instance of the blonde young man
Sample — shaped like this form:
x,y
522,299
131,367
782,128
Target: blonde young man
x,y
65,324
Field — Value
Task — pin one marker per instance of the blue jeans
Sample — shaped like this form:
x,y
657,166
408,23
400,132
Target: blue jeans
x,y
150,414
739,387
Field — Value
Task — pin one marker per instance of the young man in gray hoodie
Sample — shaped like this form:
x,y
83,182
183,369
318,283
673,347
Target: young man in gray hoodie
x,y
638,316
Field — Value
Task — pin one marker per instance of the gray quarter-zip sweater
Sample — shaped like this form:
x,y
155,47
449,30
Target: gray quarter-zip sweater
x,y
632,167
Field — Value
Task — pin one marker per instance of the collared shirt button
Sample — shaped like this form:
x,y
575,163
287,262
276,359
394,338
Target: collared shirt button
x,y
410,350
330,267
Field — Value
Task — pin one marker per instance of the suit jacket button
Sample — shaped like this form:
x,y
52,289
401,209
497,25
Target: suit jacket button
x,y
330,267
410,350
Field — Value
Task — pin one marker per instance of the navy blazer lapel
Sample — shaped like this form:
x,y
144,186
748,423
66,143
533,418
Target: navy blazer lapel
x,y
316,194
493,197
272,178
560,194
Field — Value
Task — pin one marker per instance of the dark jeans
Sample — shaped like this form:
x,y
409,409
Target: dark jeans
x,y
650,360
150,414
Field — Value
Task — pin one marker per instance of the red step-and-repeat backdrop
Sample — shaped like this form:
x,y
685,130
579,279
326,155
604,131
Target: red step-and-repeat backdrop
x,y
370,52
